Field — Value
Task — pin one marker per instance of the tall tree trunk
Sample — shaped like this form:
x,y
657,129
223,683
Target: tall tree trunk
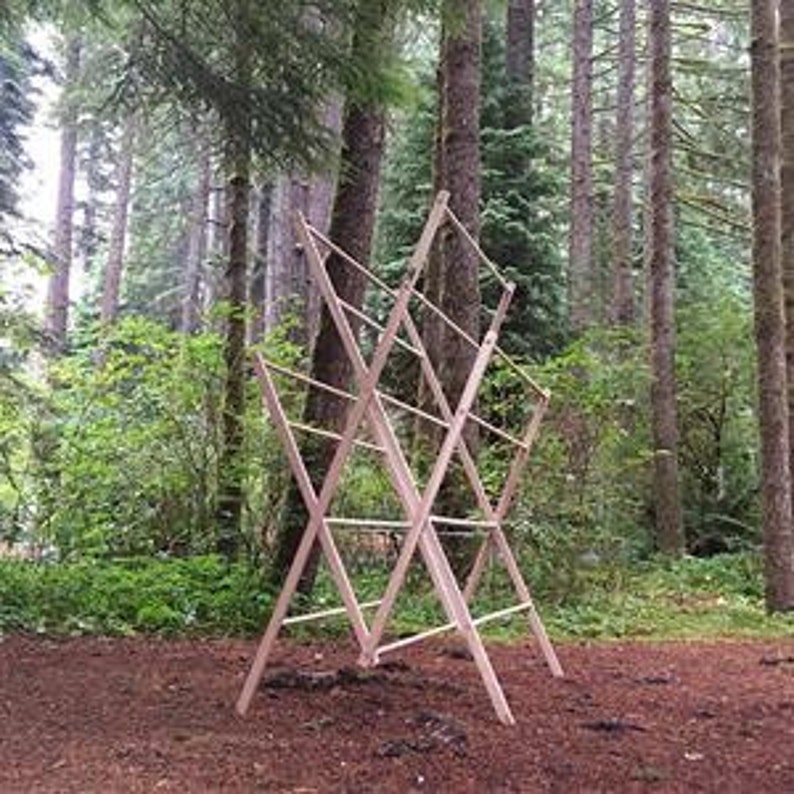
x,y
661,287
57,308
581,231
217,239
89,237
460,264
461,158
520,61
776,499
286,284
197,246
622,312
109,308
231,470
257,288
289,291
352,225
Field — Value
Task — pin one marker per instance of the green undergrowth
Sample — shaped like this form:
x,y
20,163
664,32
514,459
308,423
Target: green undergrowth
x,y
198,595
720,597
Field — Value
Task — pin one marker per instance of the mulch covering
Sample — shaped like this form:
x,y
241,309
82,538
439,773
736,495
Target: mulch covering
x,y
141,714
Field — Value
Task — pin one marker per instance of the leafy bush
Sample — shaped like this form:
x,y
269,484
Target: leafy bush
x,y
718,424
119,456
202,595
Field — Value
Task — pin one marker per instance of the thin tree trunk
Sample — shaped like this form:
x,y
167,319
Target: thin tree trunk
x,y
661,288
197,246
89,238
218,240
231,468
581,230
770,330
286,286
257,289
622,279
57,307
352,224
520,61
109,307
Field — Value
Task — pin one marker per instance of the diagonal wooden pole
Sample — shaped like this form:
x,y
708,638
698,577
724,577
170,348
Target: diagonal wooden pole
x,y
496,536
368,379
422,532
316,527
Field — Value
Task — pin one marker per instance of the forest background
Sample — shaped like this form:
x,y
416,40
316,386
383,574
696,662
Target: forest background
x,y
600,152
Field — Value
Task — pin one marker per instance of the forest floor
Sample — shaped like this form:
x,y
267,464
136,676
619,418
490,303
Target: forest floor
x,y
143,714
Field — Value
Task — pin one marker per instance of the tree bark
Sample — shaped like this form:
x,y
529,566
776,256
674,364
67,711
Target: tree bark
x,y
520,61
770,329
109,307
581,229
352,225
230,496
197,246
57,307
257,288
622,280
661,288
287,288
90,237
461,158
231,466
460,265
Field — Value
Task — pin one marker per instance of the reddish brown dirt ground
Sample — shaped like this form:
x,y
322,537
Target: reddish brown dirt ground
x,y
107,715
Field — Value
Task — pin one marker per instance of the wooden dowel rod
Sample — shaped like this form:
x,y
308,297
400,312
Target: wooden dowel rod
x,y
413,409
497,431
349,259
475,245
414,638
404,642
366,522
502,613
326,613
290,373
335,436
463,522
365,318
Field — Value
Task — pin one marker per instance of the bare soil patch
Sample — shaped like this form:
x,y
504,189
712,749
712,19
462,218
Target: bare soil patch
x,y
130,715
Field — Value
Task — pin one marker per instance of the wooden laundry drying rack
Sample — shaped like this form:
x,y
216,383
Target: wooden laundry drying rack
x,y
368,408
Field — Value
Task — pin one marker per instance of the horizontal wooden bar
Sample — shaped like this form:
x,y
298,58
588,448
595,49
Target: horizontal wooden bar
x,y
335,436
502,613
412,409
463,522
475,245
339,521
365,318
326,613
299,376
497,430
404,642
354,263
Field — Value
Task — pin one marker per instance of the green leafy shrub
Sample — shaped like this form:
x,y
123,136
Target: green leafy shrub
x,y
202,595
